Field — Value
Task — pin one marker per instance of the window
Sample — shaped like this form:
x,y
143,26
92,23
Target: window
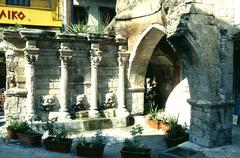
x,y
80,15
107,14
18,2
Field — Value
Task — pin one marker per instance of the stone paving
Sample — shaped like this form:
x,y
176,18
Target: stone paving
x,y
153,138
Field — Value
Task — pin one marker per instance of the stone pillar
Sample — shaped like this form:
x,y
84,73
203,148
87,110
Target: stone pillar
x,y
65,56
96,57
211,123
31,55
123,61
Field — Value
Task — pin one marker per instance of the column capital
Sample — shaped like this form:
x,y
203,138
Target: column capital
x,y
31,44
123,57
65,46
31,58
65,59
96,54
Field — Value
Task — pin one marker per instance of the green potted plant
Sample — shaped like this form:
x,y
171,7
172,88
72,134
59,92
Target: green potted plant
x,y
13,126
157,119
93,148
57,140
27,135
176,134
133,148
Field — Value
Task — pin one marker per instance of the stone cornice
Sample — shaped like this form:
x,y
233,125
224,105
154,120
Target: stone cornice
x,y
210,104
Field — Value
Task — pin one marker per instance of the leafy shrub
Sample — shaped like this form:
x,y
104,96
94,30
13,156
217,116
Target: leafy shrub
x,y
97,141
175,130
135,145
54,130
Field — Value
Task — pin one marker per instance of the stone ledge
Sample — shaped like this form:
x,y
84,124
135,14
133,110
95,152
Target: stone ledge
x,y
16,92
87,124
210,104
136,89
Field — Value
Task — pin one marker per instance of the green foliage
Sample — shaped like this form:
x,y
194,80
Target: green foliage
x,y
97,141
54,130
81,28
78,28
157,114
137,130
23,126
175,130
14,122
153,113
30,132
135,145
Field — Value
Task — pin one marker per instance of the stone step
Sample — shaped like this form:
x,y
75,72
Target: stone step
x,y
88,124
179,152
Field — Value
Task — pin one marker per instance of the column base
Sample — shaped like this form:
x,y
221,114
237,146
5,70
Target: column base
x,y
93,113
59,115
64,116
122,112
211,123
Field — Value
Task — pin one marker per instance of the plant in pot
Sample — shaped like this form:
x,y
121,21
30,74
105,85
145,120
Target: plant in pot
x,y
57,140
157,119
13,125
133,148
27,135
176,134
152,118
93,148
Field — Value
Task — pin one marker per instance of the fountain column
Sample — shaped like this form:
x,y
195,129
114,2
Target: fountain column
x,y
123,61
31,55
96,57
65,57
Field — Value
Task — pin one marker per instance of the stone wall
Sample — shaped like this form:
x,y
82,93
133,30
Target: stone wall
x,y
44,52
201,33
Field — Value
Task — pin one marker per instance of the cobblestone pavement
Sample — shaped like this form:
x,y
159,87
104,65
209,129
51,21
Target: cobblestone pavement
x,y
153,138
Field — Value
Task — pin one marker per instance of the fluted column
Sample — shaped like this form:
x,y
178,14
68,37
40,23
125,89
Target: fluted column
x,y
96,57
65,57
123,61
31,55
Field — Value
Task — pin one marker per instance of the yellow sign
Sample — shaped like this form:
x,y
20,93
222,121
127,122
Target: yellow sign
x,y
28,16
13,15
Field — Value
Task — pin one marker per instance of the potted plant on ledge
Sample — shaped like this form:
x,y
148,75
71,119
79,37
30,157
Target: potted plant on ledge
x,y
27,135
12,127
93,148
158,120
57,140
133,148
176,134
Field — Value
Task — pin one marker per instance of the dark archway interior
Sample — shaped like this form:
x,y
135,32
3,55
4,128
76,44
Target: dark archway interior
x,y
163,74
2,79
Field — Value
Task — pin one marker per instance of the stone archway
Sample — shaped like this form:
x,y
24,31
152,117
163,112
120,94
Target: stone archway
x,y
211,115
138,63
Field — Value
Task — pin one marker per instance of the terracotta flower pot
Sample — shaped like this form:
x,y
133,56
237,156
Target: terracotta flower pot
x,y
130,154
88,151
63,145
175,141
153,124
12,133
164,127
32,140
